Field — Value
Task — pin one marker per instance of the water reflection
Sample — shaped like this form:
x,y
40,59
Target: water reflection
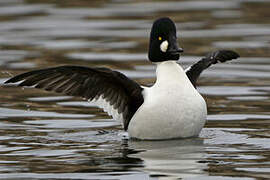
x,y
172,159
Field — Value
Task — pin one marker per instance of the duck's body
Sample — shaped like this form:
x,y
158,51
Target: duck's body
x,y
172,107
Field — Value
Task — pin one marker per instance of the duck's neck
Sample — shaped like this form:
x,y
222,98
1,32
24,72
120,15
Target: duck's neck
x,y
169,71
170,74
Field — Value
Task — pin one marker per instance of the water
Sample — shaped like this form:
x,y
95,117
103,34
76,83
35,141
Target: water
x,y
46,135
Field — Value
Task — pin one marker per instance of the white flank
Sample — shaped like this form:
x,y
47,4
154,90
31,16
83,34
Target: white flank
x,y
164,46
172,107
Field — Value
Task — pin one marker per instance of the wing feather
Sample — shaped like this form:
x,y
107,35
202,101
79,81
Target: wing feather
x,y
111,90
193,72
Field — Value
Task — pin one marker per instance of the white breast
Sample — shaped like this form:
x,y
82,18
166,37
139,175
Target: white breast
x,y
172,107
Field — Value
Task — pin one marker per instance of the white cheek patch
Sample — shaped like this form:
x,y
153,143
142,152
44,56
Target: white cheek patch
x,y
164,46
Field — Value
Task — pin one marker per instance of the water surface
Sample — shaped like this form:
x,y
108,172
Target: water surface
x,y
45,135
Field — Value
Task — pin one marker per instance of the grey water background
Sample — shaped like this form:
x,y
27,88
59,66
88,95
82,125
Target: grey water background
x,y
44,135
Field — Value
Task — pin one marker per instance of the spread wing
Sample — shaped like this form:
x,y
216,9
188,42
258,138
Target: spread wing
x,y
111,90
193,72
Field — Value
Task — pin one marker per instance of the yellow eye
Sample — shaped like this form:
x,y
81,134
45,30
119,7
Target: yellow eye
x,y
159,38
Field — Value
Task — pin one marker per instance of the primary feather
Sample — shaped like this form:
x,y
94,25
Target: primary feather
x,y
194,71
111,90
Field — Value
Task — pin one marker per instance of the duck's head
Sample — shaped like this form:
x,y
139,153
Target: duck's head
x,y
163,41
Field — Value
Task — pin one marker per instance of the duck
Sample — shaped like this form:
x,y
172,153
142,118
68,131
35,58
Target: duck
x,y
171,108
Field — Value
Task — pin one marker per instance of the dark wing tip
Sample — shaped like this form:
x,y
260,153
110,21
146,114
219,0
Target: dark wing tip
x,y
8,81
13,79
222,56
227,55
21,77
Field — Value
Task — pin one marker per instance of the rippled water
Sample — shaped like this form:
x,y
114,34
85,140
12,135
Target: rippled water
x,y
51,136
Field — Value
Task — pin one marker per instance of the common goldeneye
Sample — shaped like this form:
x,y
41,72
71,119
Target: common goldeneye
x,y
171,108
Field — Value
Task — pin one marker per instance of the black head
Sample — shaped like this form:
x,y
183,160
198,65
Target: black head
x,y
163,41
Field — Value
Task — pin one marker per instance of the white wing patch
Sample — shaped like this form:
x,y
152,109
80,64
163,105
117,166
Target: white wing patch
x,y
105,105
187,69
